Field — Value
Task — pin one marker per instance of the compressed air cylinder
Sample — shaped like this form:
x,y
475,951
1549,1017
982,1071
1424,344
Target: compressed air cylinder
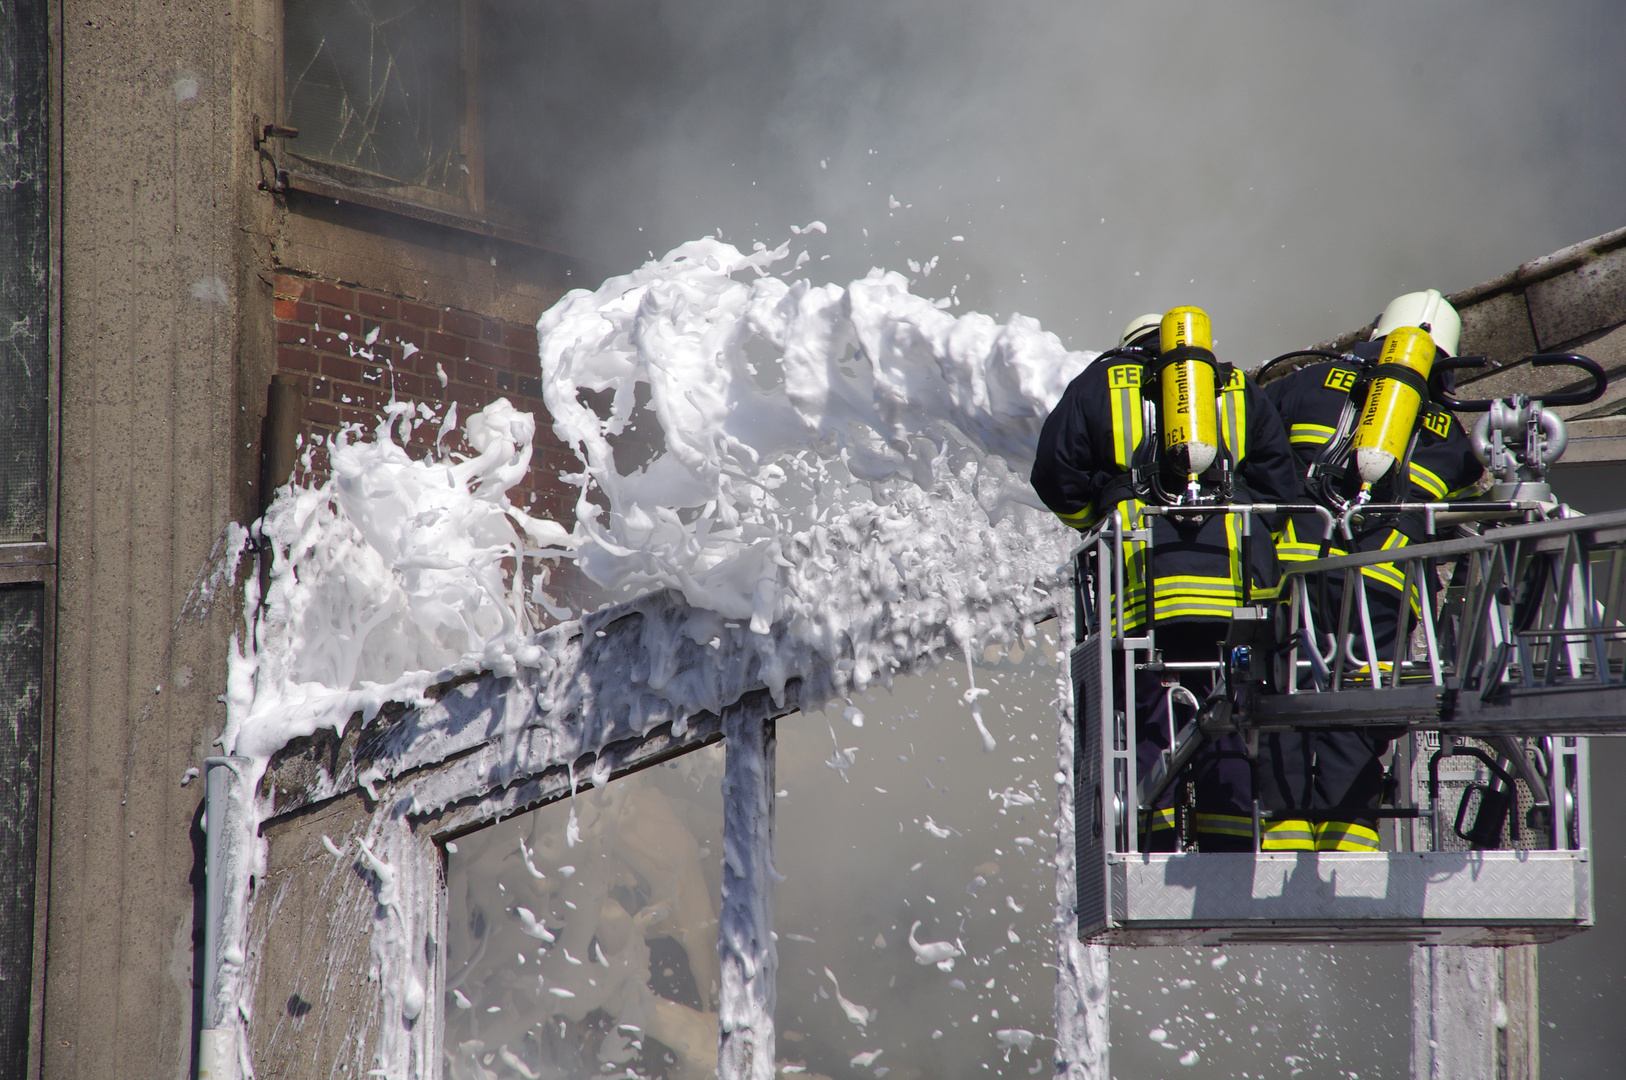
x,y
1390,414
1190,415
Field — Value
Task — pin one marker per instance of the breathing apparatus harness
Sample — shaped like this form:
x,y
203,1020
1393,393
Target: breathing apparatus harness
x,y
1179,415
1384,409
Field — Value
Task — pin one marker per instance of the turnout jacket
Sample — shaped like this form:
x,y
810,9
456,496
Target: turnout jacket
x,y
1103,428
1310,402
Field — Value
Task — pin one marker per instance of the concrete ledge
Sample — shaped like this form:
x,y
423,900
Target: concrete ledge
x,y
1598,441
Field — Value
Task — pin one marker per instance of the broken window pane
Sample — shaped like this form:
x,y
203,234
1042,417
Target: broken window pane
x,y
376,88
916,922
916,918
593,958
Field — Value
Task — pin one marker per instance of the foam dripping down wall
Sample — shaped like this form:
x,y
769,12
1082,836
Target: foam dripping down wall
x,y
832,478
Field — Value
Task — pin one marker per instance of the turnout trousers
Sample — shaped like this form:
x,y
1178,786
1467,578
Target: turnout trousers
x,y
1336,774
1220,775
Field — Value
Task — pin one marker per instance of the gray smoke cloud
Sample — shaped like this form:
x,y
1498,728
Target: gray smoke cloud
x,y
1289,167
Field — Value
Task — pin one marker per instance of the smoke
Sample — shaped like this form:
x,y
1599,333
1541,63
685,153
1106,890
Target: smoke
x,y
1289,167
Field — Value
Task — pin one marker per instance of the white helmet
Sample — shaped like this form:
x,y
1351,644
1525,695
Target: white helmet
x,y
1427,311
1139,325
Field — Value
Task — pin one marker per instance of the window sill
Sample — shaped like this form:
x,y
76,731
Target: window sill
x,y
311,184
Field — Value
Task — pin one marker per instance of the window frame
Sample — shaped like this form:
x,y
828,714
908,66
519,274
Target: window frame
x,y
364,783
33,563
292,173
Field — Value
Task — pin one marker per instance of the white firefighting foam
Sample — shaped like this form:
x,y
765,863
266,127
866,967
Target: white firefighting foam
x,y
833,478
848,463
793,413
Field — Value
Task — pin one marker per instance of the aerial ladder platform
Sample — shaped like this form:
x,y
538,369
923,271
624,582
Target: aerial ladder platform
x,y
1516,653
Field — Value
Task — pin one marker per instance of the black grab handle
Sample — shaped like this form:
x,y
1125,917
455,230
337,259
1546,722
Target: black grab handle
x,y
1600,381
1453,363
1437,381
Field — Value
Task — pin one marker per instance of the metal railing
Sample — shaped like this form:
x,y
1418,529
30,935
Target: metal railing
x,y
1518,631
1508,642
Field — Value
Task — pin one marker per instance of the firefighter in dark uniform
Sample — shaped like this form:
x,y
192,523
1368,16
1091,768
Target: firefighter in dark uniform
x,y
1324,406
1106,446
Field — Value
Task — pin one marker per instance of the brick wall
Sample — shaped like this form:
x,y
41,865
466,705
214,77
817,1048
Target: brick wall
x,y
435,355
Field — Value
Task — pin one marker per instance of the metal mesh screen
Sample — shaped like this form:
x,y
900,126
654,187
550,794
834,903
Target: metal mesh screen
x,y
24,272
22,653
1456,774
1090,799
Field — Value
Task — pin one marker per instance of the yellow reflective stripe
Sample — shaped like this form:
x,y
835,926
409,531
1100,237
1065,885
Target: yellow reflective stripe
x,y
1388,573
1128,429
1291,834
1192,610
1233,549
1128,424
1080,519
1384,575
1428,480
1134,573
1234,415
1196,581
1289,548
1224,824
1311,433
1221,597
1345,836
1163,819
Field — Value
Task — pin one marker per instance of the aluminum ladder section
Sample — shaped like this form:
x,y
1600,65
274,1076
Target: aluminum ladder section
x,y
1517,650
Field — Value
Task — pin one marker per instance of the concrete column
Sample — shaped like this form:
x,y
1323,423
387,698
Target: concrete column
x,y
1521,1037
1474,1014
1453,1012
156,269
745,947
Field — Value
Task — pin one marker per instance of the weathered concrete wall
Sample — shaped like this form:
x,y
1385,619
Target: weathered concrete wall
x,y
1573,300
153,269
170,251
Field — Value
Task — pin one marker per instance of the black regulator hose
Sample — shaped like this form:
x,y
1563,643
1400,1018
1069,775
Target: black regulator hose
x,y
1265,368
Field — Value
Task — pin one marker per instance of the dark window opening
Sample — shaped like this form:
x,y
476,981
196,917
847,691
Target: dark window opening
x,y
531,121
376,89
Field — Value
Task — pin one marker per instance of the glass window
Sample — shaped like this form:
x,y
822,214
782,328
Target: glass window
x,y
582,937
25,262
22,658
915,921
375,88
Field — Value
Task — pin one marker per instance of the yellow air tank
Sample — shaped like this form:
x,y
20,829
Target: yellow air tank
x,y
1390,414
1190,415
